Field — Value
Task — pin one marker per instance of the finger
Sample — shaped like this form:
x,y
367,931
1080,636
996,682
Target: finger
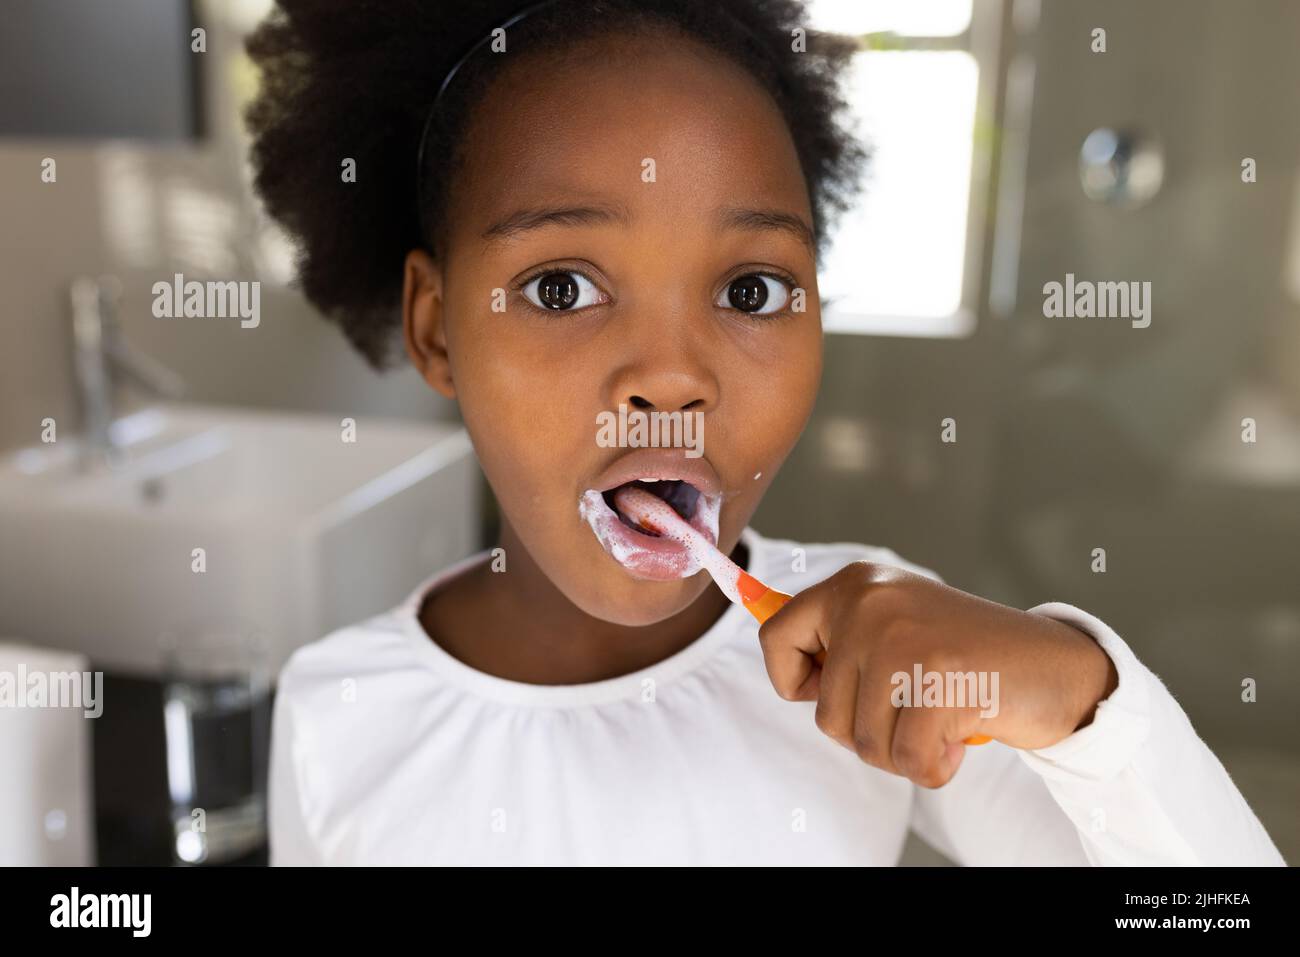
x,y
810,690
927,747
837,699
790,639
875,718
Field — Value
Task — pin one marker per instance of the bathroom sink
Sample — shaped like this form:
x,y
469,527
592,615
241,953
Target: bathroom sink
x,y
301,531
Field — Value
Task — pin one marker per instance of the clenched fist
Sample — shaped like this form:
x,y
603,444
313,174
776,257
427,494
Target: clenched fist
x,y
882,626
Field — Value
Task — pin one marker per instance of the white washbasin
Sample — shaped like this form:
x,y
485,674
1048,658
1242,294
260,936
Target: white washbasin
x,y
302,532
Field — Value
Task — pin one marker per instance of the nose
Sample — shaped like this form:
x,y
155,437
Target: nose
x,y
665,398
666,368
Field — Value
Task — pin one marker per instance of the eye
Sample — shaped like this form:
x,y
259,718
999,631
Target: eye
x,y
758,294
560,290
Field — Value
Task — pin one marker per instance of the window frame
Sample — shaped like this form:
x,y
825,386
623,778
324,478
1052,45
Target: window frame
x,y
983,40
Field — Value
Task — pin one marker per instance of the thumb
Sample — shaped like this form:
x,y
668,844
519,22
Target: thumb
x,y
790,639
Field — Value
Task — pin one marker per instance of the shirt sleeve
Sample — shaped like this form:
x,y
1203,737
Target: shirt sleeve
x,y
291,842
1136,786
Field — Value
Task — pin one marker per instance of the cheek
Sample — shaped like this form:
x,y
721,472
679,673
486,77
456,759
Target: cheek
x,y
796,384
501,383
769,399
507,361
778,395
524,420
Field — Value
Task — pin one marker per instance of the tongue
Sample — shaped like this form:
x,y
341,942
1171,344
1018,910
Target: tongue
x,y
680,497
654,514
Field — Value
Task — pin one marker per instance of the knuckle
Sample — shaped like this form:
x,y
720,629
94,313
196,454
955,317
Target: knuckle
x,y
858,571
874,573
865,747
897,629
881,594
908,759
828,726
931,777
822,718
783,687
942,661
863,576
785,691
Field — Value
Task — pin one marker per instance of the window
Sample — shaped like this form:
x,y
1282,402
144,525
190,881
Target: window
x,y
898,260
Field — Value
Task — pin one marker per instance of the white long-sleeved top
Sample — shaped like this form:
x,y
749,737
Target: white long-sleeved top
x,y
388,750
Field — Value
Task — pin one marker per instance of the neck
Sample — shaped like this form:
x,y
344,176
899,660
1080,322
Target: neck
x,y
519,626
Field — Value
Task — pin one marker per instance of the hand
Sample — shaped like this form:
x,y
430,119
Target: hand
x,y
877,623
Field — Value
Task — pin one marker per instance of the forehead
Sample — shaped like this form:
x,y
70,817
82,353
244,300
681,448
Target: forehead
x,y
581,127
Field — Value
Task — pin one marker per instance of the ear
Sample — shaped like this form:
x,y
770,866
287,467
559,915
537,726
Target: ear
x,y
423,321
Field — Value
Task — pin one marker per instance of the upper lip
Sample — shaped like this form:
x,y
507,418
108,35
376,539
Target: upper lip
x,y
648,464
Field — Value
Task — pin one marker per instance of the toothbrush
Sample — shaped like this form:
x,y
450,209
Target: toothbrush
x,y
656,515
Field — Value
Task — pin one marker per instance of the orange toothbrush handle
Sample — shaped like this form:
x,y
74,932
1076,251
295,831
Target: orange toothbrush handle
x,y
767,603
770,601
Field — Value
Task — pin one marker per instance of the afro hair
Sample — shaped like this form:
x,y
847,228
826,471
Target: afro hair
x,y
358,79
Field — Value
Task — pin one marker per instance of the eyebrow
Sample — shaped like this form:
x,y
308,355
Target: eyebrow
x,y
525,220
597,214
754,220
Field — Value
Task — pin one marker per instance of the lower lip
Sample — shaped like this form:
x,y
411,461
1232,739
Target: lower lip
x,y
645,556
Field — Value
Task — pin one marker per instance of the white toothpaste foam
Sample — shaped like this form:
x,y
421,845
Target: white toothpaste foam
x,y
609,531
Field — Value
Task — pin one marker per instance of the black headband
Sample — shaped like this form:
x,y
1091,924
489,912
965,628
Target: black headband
x,y
423,210
428,119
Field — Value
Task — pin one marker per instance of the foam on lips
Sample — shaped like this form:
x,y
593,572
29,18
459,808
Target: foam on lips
x,y
641,553
655,514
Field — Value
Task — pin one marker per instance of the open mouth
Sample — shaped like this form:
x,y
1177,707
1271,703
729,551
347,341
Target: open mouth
x,y
643,553
681,496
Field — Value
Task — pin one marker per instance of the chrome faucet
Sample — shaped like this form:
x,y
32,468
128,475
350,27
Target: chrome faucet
x,y
99,351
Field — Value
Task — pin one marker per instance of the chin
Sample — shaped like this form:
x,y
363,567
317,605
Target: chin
x,y
621,599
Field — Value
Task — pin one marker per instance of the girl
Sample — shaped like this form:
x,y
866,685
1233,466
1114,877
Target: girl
x,y
615,205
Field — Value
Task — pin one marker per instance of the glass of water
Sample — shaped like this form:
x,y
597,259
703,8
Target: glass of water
x,y
216,723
